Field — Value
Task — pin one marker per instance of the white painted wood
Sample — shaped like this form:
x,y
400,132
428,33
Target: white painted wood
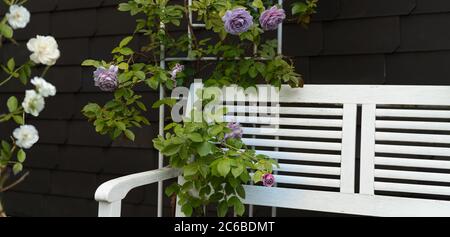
x,y
418,163
309,169
111,193
413,150
440,126
364,94
412,188
412,175
285,121
283,132
117,189
413,113
329,146
321,182
345,203
298,156
412,137
367,149
348,149
109,209
286,110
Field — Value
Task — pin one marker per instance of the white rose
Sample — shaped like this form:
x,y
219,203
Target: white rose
x,y
33,103
18,17
43,87
45,50
26,136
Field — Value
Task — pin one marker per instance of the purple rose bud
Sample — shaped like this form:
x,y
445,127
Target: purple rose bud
x,y
175,70
271,18
237,21
236,131
268,180
106,79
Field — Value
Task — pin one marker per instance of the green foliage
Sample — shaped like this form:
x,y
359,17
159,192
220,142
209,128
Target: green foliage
x,y
304,10
214,169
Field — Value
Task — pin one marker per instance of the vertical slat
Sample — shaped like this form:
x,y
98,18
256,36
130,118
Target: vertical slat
x,y
108,209
161,125
348,149
367,149
178,212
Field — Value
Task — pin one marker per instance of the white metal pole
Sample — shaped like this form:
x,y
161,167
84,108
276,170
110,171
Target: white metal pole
x,y
161,126
279,51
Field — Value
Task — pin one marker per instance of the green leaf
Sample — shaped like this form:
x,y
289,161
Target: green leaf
x,y
11,64
223,167
173,188
195,137
214,130
90,62
239,208
17,168
12,104
190,170
171,149
166,101
18,119
129,134
204,148
237,171
258,4
6,31
187,209
222,209
21,156
240,191
125,41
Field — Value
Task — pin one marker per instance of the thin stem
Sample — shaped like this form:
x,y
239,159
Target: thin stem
x,y
45,71
20,180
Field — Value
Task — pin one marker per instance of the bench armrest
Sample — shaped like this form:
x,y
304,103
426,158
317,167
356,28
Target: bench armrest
x,y
116,189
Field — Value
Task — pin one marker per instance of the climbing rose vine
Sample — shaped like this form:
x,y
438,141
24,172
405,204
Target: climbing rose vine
x,y
212,155
43,50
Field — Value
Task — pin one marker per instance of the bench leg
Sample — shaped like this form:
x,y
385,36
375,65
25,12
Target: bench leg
x,y
108,209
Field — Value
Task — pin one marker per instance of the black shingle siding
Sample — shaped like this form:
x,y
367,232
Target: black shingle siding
x,y
349,41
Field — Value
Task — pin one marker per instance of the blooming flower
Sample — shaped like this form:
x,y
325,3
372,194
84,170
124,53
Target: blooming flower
x,y
26,136
45,50
237,21
175,70
271,18
18,17
33,103
268,180
44,88
236,131
106,79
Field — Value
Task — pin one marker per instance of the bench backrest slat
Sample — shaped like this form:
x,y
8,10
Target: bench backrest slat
x,y
315,142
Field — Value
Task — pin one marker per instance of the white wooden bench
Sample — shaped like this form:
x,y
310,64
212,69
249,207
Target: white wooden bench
x,y
404,153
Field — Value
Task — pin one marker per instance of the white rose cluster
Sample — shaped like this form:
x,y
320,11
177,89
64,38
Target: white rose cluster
x,y
18,17
34,101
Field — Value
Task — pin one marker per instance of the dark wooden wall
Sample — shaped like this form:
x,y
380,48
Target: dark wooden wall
x,y
350,41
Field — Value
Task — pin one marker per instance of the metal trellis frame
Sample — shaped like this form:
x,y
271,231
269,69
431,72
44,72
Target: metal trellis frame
x,y
164,60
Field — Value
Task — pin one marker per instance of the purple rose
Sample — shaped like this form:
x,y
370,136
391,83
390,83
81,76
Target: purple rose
x,y
271,18
237,21
106,79
236,131
175,70
268,180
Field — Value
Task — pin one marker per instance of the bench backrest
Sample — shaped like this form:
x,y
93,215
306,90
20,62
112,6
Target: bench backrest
x,y
315,142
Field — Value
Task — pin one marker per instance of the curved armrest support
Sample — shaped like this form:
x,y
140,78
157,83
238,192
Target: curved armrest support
x,y
116,189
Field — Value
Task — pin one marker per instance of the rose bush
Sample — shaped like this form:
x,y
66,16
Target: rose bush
x,y
43,50
214,160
